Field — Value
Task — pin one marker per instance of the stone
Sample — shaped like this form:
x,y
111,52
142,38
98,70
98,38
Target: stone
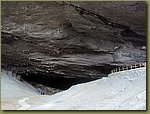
x,y
72,39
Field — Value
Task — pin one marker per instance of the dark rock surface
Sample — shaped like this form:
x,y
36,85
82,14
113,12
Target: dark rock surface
x,y
72,39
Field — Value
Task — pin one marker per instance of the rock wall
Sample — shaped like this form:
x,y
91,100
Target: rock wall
x,y
72,39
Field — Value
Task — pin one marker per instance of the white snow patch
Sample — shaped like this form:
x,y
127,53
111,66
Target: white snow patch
x,y
23,104
11,88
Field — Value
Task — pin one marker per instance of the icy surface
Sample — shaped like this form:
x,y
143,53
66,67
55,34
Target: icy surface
x,y
124,90
12,88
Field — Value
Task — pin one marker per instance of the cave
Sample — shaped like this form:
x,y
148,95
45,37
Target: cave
x,y
60,44
60,83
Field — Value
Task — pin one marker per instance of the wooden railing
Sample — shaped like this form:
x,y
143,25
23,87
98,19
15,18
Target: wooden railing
x,y
128,67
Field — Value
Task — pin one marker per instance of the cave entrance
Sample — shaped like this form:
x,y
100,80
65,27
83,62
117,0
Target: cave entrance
x,y
56,82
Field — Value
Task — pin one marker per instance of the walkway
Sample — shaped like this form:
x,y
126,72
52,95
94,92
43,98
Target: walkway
x,y
139,65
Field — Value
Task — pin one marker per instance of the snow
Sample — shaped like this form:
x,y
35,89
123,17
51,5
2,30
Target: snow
x,y
124,90
23,104
12,88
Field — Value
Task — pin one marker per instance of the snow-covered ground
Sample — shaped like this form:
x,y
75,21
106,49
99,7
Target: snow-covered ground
x,y
11,88
124,90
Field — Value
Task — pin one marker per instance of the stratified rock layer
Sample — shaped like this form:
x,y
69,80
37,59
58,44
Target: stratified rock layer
x,y
72,39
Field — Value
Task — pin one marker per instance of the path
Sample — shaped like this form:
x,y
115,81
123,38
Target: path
x,y
23,104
